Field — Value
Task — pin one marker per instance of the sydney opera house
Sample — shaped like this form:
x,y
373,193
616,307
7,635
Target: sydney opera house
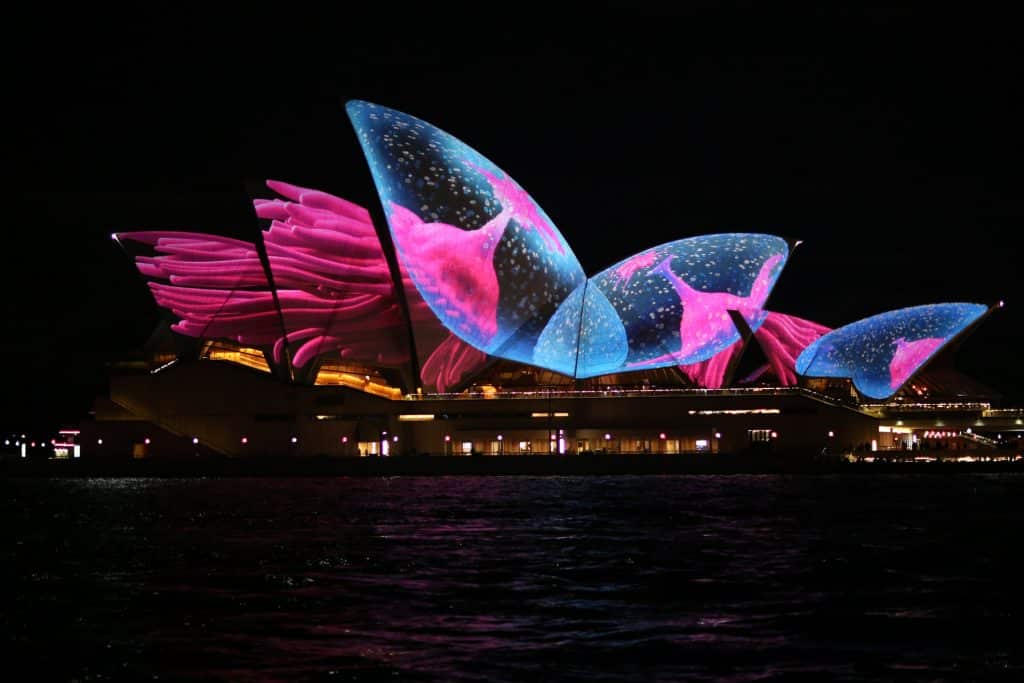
x,y
455,319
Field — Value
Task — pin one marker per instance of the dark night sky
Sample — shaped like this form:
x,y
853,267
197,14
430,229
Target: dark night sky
x,y
889,142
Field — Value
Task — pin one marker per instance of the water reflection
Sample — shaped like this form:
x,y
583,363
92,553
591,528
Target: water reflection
x,y
512,578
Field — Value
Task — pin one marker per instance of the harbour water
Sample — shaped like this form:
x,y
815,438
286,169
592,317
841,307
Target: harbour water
x,y
620,578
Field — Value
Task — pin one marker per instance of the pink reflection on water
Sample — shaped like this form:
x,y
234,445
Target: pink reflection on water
x,y
909,357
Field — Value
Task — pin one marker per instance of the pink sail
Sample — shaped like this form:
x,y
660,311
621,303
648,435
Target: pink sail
x,y
332,281
782,337
710,373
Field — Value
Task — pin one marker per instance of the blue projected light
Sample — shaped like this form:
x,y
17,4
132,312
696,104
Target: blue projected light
x,y
496,272
673,300
882,352
480,251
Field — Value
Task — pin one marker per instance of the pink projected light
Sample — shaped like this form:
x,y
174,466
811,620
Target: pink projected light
x,y
710,373
706,314
625,272
455,267
206,277
521,207
332,282
909,357
782,337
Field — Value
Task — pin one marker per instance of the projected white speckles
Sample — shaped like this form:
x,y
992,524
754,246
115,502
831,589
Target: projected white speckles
x,y
674,300
496,272
482,253
882,352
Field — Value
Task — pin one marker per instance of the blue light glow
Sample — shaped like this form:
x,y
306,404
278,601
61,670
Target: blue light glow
x,y
482,254
882,352
673,301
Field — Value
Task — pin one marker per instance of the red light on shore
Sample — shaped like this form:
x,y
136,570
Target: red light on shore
x,y
447,438
344,439
245,439
662,436
775,435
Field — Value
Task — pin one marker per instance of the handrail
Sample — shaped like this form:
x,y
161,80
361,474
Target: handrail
x,y
631,392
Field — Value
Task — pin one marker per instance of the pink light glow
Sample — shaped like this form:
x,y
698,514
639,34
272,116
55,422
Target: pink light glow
x,y
706,314
710,373
626,271
909,356
454,266
450,362
333,283
517,204
782,337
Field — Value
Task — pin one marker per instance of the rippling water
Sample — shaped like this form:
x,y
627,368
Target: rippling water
x,y
515,578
